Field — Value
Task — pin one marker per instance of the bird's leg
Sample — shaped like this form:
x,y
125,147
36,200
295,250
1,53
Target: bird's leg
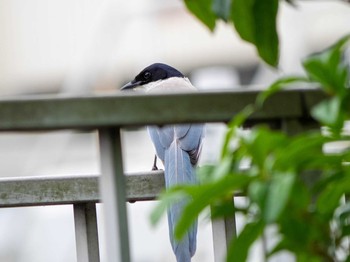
x,y
155,163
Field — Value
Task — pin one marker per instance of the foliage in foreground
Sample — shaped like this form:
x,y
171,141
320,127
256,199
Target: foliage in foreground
x,y
254,21
291,185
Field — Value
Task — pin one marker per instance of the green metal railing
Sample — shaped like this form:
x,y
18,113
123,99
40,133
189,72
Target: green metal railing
x,y
286,110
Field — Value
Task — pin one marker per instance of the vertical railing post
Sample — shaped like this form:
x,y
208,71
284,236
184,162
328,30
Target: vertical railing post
x,y
112,187
86,233
224,230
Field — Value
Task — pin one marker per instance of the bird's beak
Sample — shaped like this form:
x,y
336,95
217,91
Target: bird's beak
x,y
130,85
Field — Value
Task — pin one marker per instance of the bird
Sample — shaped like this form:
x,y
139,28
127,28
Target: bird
x,y
177,146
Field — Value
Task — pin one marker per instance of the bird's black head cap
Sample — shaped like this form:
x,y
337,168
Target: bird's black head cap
x,y
153,73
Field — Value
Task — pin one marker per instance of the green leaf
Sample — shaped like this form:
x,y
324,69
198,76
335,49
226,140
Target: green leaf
x,y
255,22
260,143
204,173
167,198
204,195
239,247
221,9
236,122
257,191
328,68
330,196
307,257
300,152
243,19
202,9
298,216
222,208
278,86
346,232
326,112
329,113
278,195
329,199
265,13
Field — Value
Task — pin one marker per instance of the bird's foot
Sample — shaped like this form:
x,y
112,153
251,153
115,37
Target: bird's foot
x,y
154,167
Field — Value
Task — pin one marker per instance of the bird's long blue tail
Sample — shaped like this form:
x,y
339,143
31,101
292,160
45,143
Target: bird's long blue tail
x,y
179,170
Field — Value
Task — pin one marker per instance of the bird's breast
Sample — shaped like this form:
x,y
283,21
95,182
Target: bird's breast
x,y
173,84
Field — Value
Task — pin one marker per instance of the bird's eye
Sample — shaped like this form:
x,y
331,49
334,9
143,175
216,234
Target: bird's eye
x,y
147,75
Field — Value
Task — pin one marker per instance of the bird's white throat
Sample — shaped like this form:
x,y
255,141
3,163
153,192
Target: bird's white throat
x,y
172,84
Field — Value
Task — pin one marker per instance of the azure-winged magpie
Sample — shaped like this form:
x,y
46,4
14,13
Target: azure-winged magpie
x,y
178,146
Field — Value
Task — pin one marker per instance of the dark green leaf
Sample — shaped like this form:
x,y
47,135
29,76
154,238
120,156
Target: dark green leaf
x,y
202,9
255,22
327,111
329,197
307,257
204,195
278,195
260,143
243,19
345,231
266,38
278,86
239,247
298,234
300,151
222,208
328,69
331,191
236,122
257,192
166,198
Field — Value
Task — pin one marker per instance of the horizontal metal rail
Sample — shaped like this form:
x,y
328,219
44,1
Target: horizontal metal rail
x,y
108,114
57,190
129,109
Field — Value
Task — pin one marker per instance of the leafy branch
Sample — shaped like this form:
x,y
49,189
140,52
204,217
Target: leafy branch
x,y
254,20
291,183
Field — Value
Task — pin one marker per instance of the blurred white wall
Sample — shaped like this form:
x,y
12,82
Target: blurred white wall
x,y
85,45
40,39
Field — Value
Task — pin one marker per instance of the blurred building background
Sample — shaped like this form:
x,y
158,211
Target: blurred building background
x,y
90,46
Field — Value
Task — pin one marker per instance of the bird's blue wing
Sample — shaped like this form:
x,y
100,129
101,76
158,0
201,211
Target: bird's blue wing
x,y
161,138
190,136
191,142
